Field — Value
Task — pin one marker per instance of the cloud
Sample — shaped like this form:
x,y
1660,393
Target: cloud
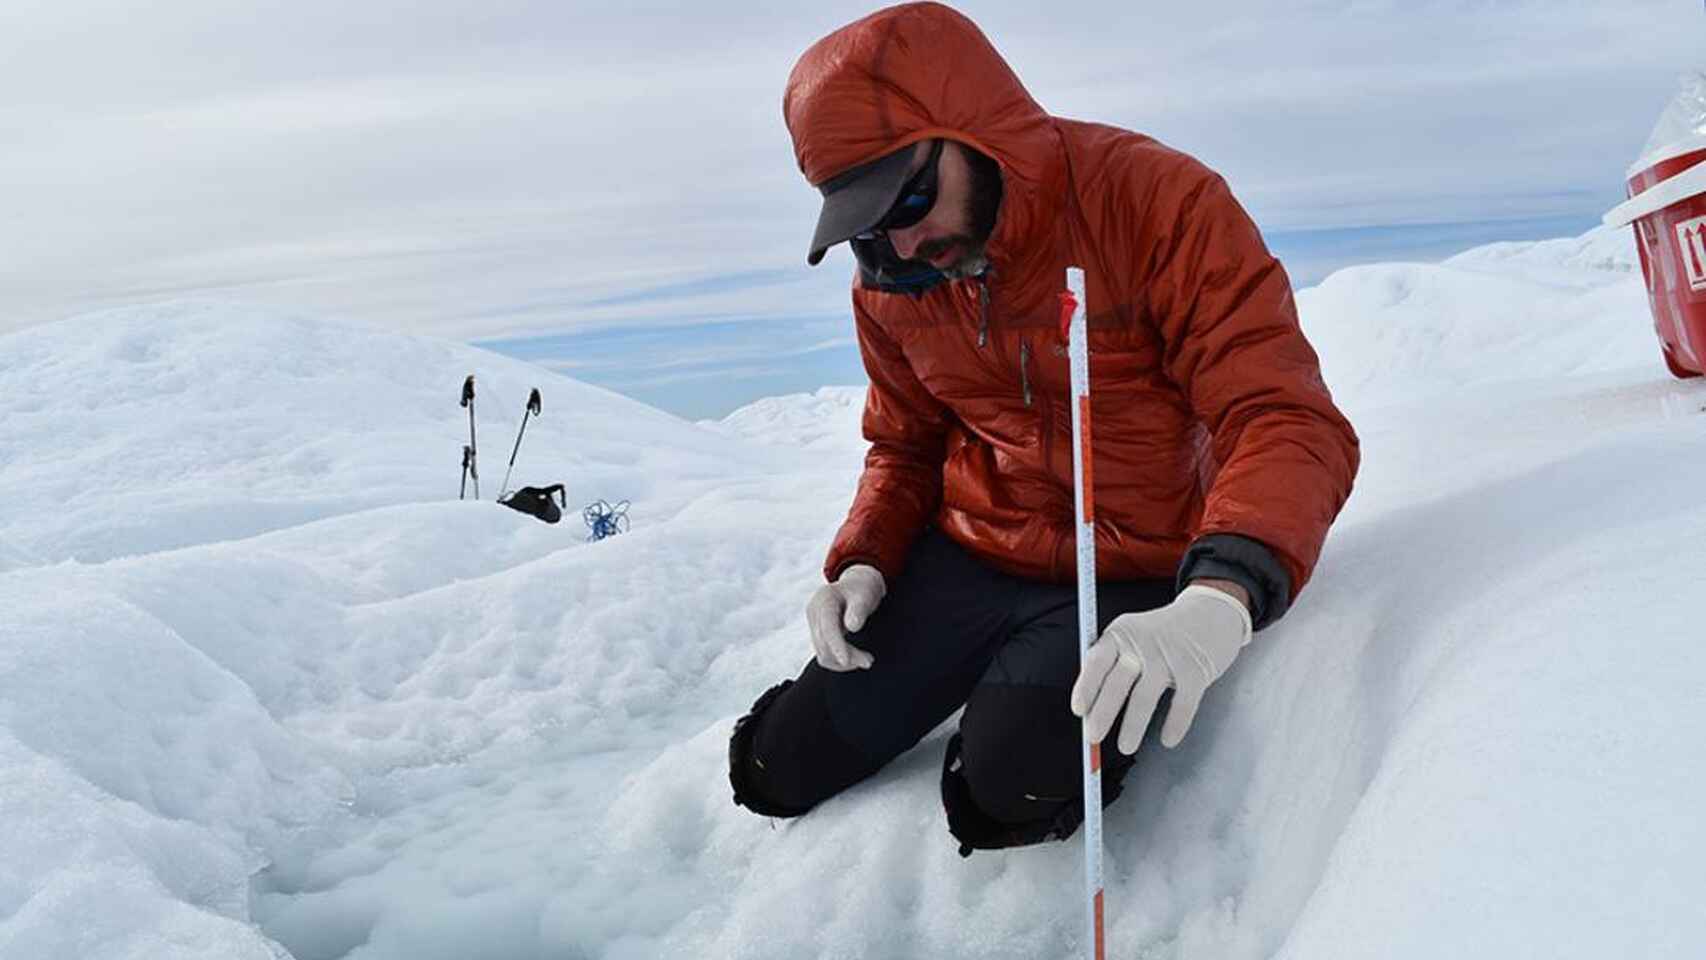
x,y
746,280
518,167
721,374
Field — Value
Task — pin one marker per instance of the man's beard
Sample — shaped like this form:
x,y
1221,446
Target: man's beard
x,y
983,203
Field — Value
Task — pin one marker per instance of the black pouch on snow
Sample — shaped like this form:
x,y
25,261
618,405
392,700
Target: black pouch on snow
x,y
539,502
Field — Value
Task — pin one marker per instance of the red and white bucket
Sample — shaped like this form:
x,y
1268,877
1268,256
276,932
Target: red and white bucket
x,y
1667,207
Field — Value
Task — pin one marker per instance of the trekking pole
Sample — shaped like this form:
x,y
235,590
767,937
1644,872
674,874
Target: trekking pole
x,y
470,453
532,408
1076,331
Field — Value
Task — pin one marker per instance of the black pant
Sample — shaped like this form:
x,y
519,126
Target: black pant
x,y
950,632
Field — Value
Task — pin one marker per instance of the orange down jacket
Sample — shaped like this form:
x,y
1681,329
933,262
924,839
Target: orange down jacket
x,y
1210,415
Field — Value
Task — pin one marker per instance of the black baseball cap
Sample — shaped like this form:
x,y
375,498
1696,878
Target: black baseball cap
x,y
855,201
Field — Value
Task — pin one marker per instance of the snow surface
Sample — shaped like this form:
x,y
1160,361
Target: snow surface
x,y
268,689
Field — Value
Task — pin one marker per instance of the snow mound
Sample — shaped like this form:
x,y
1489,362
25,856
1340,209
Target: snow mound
x,y
147,428
1600,256
287,696
824,420
1540,311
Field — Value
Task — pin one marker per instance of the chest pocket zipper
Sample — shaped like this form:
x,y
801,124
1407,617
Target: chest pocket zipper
x,y
982,311
1025,369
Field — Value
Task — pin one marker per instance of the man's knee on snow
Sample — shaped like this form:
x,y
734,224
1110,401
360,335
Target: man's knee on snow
x,y
1013,776
748,774
1020,752
784,756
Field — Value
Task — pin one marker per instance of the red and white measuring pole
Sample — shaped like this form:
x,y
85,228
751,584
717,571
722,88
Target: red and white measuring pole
x,y
1075,330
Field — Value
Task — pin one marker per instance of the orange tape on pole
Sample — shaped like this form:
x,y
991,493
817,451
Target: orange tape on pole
x,y
1084,454
1101,942
1068,304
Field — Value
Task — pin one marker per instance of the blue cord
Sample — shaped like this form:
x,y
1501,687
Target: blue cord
x,y
605,520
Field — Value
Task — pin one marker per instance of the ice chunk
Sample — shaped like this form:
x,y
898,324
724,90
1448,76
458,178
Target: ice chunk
x,y
1685,117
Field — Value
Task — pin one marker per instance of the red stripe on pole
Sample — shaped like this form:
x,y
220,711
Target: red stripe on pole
x,y
1095,758
1084,455
1100,944
1068,304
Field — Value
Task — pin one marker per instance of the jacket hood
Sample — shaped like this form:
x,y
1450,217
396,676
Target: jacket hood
x,y
919,71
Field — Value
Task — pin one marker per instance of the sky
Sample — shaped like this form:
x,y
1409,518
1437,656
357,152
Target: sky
x,y
609,189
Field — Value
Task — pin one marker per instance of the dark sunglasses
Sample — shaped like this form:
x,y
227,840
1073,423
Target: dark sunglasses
x,y
917,197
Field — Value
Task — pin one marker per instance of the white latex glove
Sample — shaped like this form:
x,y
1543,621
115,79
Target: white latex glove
x,y
1185,645
848,602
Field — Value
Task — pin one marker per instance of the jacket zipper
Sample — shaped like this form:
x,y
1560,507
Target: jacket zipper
x,y
1045,411
982,309
1025,369
1045,418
